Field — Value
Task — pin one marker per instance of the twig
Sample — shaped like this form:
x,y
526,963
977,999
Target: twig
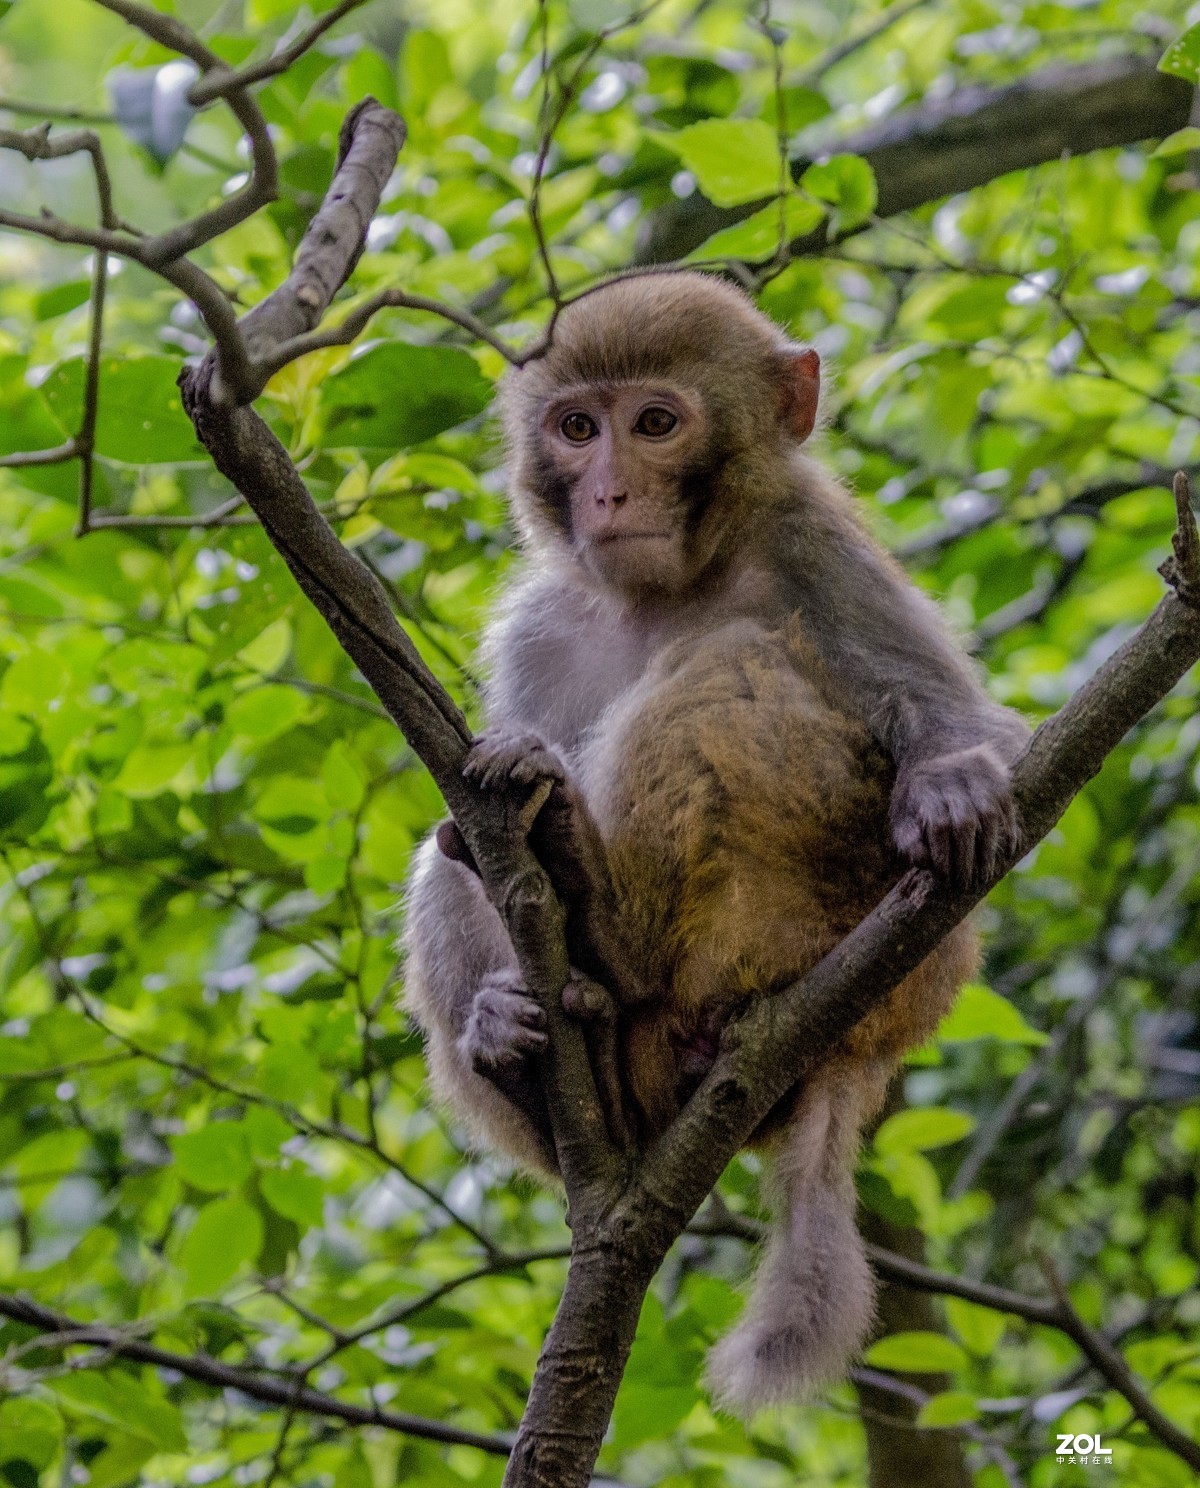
x,y
261,187
1110,1362
216,85
262,1385
838,54
55,111
907,1390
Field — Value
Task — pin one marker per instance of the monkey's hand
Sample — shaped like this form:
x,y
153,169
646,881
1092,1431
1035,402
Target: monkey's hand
x,y
504,1025
501,756
566,841
954,813
588,1001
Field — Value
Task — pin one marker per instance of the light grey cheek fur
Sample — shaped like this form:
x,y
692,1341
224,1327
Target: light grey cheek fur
x,y
454,942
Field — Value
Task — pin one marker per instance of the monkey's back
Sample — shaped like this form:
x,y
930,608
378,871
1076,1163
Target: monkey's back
x,y
746,817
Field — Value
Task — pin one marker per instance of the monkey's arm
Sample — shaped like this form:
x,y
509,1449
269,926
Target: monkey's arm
x,y
889,650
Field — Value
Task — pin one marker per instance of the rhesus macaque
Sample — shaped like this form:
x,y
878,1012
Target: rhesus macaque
x,y
765,720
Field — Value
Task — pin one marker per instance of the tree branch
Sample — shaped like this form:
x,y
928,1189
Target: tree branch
x,y
354,604
271,1389
219,83
949,145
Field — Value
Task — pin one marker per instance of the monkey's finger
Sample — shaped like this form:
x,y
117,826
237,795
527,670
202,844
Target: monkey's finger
x,y
908,833
531,769
587,1000
991,834
967,848
940,837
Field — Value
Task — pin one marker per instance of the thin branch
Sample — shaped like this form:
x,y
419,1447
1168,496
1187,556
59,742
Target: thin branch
x,y
56,111
907,1390
1110,1362
813,74
356,321
214,85
342,1338
261,187
37,144
270,1388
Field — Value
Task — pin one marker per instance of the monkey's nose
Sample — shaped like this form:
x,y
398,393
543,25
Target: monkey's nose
x,y
614,499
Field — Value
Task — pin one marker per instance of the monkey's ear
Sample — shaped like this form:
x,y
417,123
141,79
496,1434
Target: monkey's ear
x,y
799,391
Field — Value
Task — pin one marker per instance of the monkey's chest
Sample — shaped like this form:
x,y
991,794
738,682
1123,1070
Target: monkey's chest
x,y
745,816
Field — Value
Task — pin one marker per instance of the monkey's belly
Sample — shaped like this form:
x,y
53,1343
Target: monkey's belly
x,y
746,820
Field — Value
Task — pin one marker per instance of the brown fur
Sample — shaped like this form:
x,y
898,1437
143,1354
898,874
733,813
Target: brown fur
x,y
747,834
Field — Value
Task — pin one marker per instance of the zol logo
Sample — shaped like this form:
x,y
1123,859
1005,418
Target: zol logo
x,y
1084,1449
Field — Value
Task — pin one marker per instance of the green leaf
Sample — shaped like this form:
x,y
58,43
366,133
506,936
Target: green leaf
x,y
295,1193
949,1408
1180,142
980,1328
269,649
227,1234
981,1013
396,395
216,1158
918,1352
758,237
150,768
1182,57
35,1425
733,160
266,1132
121,1400
848,183
139,420
265,712
922,1129
344,779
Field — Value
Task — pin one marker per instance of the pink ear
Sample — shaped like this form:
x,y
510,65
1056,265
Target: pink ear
x,y
800,389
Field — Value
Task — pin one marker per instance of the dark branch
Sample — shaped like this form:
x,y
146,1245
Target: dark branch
x,y
271,1389
950,145
218,84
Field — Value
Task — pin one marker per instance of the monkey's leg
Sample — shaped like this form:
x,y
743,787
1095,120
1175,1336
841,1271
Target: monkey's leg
x,y
462,987
813,1296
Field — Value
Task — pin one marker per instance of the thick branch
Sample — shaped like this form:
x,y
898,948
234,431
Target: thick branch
x,y
976,134
371,138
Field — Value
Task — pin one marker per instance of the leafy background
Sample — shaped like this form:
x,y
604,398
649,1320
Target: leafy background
x,y
213,1126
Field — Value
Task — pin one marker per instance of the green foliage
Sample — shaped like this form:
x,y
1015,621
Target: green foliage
x,y
214,1129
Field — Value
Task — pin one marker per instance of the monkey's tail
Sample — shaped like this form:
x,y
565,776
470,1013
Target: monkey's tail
x,y
813,1298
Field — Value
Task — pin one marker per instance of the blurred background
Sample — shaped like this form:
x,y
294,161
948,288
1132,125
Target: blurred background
x,y
213,1125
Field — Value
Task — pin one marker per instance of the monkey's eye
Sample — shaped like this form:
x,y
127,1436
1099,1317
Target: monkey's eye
x,y
655,422
578,428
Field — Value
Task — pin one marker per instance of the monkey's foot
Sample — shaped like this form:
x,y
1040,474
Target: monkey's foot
x,y
501,756
504,1025
595,1008
954,813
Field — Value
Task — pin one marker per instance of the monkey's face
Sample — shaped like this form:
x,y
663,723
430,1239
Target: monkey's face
x,y
656,430
618,462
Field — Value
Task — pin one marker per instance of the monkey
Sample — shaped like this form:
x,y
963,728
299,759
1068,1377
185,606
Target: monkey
x,y
761,721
